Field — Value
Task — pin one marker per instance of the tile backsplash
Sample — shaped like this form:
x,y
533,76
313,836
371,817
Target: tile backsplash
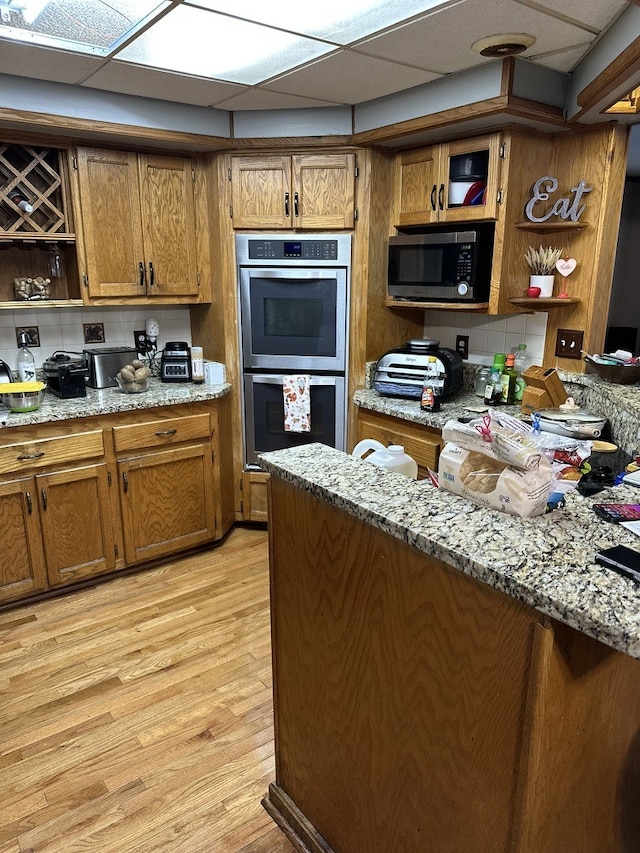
x,y
488,334
65,328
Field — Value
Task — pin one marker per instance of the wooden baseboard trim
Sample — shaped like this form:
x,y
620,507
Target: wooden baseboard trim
x,y
300,832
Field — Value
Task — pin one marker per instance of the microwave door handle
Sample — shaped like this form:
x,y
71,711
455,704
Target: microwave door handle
x,y
433,197
441,197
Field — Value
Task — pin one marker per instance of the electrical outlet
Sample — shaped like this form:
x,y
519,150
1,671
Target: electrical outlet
x,y
462,346
569,343
140,342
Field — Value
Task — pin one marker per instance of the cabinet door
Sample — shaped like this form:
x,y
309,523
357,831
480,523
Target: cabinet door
x,y
261,192
470,177
110,206
22,569
417,187
323,190
77,527
169,225
167,501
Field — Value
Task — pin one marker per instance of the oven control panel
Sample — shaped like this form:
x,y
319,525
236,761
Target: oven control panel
x,y
281,250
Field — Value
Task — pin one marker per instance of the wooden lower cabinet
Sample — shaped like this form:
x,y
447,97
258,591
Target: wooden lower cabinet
x,y
90,496
167,501
420,710
254,496
421,442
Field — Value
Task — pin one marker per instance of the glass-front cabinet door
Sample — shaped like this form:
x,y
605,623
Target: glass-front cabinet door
x,y
453,182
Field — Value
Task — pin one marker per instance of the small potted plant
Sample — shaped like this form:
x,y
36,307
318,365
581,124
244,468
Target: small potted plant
x,y
542,263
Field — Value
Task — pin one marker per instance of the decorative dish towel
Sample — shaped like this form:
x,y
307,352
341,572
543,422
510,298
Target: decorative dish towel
x,y
297,403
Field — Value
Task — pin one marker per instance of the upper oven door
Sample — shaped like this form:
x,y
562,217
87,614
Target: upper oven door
x,y
293,319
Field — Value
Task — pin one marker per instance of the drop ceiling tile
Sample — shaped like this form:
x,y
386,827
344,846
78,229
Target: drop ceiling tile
x,y
262,99
441,41
347,77
43,63
152,83
595,14
564,60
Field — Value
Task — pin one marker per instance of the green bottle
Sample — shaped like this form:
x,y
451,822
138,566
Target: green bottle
x,y
508,381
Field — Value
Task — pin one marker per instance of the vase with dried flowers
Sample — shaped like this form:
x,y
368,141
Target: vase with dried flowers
x,y
542,263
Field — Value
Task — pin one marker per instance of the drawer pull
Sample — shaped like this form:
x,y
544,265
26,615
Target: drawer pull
x,y
43,492
25,456
29,502
167,432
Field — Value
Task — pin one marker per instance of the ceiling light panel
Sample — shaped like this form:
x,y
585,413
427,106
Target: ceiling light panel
x,y
203,43
87,26
333,20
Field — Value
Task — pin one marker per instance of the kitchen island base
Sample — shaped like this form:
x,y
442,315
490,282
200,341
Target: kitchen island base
x,y
420,710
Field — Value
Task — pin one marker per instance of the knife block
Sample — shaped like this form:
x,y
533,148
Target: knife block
x,y
544,389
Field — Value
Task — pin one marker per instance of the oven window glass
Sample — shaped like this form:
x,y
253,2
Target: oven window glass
x,y
298,318
418,263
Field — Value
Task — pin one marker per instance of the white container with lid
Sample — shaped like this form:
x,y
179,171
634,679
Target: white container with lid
x,y
393,457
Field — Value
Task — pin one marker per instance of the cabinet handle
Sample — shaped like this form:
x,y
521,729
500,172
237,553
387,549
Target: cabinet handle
x,y
29,502
23,457
286,204
441,197
43,492
295,204
152,275
167,432
433,197
141,271
125,482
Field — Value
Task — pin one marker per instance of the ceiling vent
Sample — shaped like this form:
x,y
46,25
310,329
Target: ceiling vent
x,y
506,44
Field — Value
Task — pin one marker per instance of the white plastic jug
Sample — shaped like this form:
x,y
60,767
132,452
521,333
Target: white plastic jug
x,y
393,457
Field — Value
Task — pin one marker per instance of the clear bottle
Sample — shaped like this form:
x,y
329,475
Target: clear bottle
x,y
508,381
26,364
521,362
56,264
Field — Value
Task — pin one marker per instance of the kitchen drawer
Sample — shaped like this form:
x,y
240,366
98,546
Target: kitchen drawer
x,y
59,450
420,442
159,433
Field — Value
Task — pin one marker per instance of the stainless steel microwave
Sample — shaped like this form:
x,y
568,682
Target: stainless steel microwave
x,y
442,266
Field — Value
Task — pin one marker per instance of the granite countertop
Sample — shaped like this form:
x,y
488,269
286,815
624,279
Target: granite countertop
x,y
546,562
101,401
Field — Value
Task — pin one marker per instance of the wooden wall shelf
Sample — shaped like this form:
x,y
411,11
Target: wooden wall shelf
x,y
41,303
548,302
448,306
549,227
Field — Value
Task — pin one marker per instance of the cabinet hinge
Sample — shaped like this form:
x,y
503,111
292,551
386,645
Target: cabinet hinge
x,y
231,211
499,197
74,163
115,551
193,176
503,150
198,279
85,279
229,172
355,214
109,478
356,172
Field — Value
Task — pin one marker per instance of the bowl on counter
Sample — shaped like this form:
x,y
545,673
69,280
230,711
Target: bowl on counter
x,y
617,373
135,387
22,396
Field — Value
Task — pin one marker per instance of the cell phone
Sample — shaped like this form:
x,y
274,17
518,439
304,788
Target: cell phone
x,y
621,559
618,512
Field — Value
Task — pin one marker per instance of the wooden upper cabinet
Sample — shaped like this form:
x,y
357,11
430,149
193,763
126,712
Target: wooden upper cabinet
x,y
138,222
311,191
452,182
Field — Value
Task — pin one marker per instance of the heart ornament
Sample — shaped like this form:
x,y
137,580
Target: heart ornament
x,y
566,266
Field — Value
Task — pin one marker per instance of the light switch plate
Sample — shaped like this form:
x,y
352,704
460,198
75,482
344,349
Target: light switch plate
x,y
569,343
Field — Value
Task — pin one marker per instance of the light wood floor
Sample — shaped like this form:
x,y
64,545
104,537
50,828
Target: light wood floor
x,y
137,715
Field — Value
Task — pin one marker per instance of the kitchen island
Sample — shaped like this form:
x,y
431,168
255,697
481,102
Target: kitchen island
x,y
447,677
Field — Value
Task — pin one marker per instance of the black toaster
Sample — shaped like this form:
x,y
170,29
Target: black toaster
x,y
402,372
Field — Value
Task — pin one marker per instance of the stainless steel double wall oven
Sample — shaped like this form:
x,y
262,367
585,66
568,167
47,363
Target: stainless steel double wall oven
x,y
293,293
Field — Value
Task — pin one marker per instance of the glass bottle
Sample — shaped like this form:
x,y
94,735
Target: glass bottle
x,y
508,380
493,391
56,264
26,364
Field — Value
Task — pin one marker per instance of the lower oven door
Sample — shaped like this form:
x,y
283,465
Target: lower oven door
x,y
264,415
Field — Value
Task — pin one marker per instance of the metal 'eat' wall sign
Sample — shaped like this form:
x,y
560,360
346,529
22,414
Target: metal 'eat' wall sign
x,y
565,208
